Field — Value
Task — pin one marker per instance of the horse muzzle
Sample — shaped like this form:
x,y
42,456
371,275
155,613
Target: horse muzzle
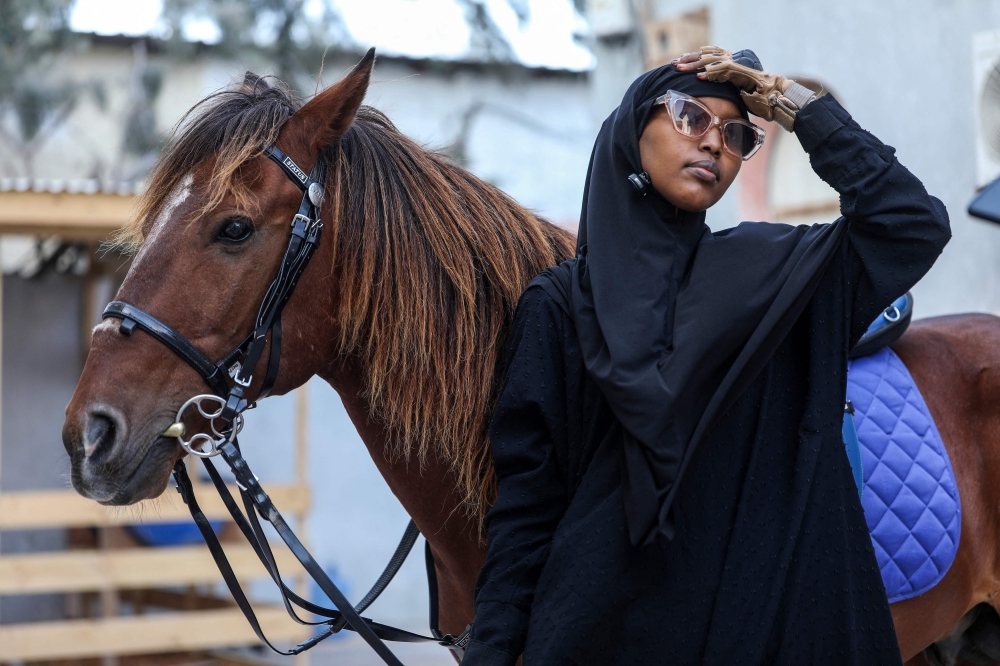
x,y
108,463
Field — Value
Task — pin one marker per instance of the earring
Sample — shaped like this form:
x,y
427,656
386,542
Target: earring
x,y
641,182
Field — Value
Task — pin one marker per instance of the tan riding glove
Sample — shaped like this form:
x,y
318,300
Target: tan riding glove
x,y
770,96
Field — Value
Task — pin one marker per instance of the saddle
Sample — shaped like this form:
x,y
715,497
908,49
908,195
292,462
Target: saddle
x,y
907,484
885,330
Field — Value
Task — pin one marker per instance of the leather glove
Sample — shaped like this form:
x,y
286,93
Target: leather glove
x,y
770,96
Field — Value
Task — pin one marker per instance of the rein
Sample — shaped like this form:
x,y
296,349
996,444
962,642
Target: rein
x,y
228,402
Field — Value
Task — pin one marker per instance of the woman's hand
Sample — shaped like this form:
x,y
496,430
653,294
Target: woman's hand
x,y
770,96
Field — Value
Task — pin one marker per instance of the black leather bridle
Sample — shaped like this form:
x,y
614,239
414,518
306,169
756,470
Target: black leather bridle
x,y
240,364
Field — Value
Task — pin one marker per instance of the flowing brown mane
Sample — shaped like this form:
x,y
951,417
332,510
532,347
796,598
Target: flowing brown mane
x,y
430,261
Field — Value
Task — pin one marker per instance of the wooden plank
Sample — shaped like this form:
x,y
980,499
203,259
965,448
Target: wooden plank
x,y
84,216
65,508
90,570
190,599
174,632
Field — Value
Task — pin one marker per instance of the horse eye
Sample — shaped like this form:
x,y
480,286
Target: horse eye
x,y
236,230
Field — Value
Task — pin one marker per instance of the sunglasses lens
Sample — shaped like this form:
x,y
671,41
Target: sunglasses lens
x,y
740,139
691,119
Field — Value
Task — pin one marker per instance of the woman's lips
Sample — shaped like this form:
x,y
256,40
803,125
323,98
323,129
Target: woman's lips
x,y
705,170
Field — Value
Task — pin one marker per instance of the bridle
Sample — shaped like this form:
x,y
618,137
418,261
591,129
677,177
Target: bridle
x,y
225,420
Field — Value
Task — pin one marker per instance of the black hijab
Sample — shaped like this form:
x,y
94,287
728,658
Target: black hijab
x,y
674,321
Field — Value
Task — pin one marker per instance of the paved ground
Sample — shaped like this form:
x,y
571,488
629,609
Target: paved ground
x,y
351,650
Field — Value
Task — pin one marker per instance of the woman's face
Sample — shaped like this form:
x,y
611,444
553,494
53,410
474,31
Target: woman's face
x,y
691,173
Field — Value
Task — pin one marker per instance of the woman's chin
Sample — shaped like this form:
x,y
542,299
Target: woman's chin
x,y
695,199
691,204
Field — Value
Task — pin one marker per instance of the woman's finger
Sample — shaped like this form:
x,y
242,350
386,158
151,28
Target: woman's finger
x,y
686,58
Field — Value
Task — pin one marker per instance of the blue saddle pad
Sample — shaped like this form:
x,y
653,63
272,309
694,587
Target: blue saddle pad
x,y
910,495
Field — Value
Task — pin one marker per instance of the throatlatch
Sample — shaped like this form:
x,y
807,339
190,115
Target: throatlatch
x,y
225,421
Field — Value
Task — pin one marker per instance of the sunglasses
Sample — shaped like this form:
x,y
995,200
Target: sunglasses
x,y
692,118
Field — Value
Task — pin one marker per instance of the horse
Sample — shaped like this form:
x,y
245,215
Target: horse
x,y
404,310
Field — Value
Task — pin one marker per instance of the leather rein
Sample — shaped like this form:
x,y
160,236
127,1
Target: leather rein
x,y
225,419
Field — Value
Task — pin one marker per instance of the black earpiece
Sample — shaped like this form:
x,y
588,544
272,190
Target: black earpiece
x,y
641,182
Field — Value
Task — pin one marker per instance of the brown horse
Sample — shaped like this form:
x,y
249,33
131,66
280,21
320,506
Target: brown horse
x,y
403,311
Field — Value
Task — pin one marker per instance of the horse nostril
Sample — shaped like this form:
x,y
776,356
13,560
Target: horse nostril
x,y
100,434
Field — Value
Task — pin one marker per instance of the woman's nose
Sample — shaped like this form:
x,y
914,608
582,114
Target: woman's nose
x,y
711,141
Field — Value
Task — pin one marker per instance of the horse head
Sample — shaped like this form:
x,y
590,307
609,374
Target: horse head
x,y
209,236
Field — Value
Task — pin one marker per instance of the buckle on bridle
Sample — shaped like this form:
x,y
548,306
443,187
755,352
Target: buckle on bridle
x,y
301,225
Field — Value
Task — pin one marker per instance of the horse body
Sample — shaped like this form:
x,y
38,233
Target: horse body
x,y
955,361
403,310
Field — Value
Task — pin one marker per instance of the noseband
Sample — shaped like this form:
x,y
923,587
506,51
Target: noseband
x,y
225,419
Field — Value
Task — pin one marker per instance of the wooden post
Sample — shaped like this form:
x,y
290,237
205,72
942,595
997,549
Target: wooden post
x,y
1,392
301,436
87,305
109,595
301,481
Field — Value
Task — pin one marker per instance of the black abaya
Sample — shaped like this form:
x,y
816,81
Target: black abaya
x,y
771,561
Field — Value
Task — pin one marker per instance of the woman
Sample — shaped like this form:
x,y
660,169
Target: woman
x,y
673,487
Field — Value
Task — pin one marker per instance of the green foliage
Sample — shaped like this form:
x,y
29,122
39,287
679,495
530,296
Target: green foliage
x,y
141,136
33,35
279,32
34,104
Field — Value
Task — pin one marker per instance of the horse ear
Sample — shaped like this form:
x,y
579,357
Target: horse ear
x,y
329,114
252,83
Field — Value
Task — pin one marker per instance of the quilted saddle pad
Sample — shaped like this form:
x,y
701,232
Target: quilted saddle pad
x,y
910,495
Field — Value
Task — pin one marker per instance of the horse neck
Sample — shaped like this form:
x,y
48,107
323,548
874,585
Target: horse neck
x,y
427,492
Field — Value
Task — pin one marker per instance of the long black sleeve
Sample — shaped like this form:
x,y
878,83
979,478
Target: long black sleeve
x,y
530,418
896,230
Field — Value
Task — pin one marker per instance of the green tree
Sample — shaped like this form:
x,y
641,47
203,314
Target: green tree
x,y
34,34
279,32
293,35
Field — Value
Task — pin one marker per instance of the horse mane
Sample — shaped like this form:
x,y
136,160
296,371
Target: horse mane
x,y
430,262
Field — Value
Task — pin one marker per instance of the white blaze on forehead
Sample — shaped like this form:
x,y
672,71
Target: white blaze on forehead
x,y
109,324
179,195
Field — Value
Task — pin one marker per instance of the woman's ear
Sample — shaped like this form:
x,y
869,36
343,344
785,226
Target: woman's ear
x,y
325,118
